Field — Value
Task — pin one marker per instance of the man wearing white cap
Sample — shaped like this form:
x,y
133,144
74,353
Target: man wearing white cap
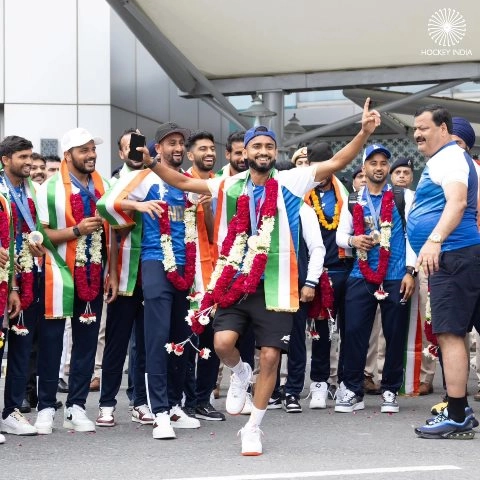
x,y
74,271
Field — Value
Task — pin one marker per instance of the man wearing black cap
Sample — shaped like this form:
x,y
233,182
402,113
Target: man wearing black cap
x,y
382,275
255,281
358,179
164,263
401,172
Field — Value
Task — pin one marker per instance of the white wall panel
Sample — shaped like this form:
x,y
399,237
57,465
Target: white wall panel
x,y
93,52
120,121
2,60
96,119
39,121
40,51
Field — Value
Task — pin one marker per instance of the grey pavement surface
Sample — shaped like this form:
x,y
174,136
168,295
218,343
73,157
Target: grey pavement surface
x,y
313,444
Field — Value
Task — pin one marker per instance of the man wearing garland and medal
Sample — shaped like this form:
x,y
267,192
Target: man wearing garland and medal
x,y
128,306
255,281
443,230
15,184
383,274
327,199
168,256
75,263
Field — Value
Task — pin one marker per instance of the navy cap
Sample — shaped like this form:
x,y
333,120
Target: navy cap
x,y
258,131
375,148
401,162
356,172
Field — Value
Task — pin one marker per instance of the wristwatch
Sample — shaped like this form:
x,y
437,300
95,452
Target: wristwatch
x,y
435,237
76,231
412,271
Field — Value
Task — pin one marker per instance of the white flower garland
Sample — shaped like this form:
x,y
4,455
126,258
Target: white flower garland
x,y
25,257
4,272
95,249
169,262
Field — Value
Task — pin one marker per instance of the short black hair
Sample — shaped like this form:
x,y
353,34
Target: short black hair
x,y
284,165
198,135
236,136
126,132
439,115
37,156
12,144
52,158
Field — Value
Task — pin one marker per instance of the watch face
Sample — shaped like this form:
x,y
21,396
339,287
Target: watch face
x,y
435,237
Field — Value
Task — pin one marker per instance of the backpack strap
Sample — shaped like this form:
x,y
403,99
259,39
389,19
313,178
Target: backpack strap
x,y
352,200
399,196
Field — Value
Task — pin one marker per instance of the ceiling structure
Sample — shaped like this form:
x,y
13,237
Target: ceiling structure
x,y
213,49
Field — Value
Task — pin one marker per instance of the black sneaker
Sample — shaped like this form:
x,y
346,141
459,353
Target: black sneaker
x,y
274,403
208,412
291,404
332,391
190,411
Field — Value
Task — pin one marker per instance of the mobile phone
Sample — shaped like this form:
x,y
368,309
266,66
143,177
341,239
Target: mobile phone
x,y
136,140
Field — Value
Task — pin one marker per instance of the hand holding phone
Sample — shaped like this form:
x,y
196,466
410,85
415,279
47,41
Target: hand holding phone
x,y
136,140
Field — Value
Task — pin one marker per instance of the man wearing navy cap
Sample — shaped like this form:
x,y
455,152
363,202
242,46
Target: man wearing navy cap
x,y
268,292
401,172
382,275
358,179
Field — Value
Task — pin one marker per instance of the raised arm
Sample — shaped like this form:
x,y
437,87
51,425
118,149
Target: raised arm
x,y
370,121
172,177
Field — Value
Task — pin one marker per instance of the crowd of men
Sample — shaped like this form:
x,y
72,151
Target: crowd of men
x,y
204,268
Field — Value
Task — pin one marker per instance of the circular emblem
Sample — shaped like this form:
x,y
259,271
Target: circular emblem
x,y
447,27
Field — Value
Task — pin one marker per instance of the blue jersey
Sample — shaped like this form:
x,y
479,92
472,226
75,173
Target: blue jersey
x,y
449,164
396,263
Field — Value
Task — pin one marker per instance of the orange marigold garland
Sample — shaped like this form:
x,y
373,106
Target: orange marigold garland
x,y
333,225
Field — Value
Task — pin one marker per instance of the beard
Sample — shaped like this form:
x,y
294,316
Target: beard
x,y
261,168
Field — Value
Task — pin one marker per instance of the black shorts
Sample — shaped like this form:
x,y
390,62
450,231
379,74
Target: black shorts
x,y
455,291
271,329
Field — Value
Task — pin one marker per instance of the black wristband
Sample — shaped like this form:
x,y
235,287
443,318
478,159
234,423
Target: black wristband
x,y
76,231
310,283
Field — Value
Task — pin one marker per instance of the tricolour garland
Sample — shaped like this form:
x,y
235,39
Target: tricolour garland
x,y
87,279
386,216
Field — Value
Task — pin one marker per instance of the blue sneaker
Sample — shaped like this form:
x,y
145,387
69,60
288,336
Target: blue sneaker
x,y
443,427
468,412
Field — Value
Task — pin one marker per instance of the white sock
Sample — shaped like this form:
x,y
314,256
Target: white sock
x,y
239,370
256,417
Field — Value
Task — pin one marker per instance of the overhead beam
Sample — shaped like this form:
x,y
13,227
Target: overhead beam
x,y
337,80
386,107
181,71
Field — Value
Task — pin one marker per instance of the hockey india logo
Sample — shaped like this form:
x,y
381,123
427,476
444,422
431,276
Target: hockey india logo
x,y
447,27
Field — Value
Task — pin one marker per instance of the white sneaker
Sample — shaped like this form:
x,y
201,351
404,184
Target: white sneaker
x,y
105,417
44,422
390,403
17,424
142,415
237,392
162,428
247,408
251,441
319,394
179,419
2,439
75,417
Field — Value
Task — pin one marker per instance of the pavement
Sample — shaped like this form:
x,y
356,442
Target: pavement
x,y
313,444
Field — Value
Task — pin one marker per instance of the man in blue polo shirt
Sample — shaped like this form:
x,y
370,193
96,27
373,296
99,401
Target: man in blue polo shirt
x,y
442,229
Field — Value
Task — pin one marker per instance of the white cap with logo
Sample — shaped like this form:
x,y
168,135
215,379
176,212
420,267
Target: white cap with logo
x,y
77,137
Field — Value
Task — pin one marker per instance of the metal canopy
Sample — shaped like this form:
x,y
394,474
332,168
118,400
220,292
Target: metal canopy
x,y
214,48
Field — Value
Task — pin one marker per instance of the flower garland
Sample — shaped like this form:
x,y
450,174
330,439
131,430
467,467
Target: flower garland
x,y
321,307
179,348
2,338
25,257
87,280
333,225
236,273
169,262
386,216
4,271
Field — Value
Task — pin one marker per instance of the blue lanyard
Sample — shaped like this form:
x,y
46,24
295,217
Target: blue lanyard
x,y
90,191
254,215
21,202
375,213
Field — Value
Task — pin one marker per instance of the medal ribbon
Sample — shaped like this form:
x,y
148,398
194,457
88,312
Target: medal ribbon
x,y
374,212
90,191
21,202
254,214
